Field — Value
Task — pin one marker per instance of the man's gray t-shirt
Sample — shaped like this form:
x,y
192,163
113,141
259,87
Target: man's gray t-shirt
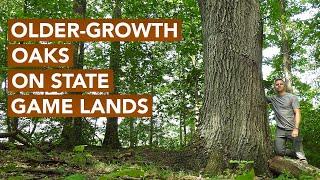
x,y
283,107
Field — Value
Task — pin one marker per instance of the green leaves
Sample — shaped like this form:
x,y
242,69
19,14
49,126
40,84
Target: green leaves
x,y
246,175
79,149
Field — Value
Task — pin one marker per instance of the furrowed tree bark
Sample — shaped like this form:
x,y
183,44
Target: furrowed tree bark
x,y
233,124
111,138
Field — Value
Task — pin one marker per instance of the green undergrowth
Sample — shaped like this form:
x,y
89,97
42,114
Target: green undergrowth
x,y
82,164
287,176
127,171
312,154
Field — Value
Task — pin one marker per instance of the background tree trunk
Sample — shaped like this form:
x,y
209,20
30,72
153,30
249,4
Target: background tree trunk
x,y
152,128
73,127
132,133
285,46
180,130
234,124
151,131
111,138
14,122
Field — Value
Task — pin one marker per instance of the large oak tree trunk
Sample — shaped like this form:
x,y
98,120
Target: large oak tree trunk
x,y
233,124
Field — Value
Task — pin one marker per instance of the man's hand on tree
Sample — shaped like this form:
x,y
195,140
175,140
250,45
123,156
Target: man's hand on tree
x,y
295,132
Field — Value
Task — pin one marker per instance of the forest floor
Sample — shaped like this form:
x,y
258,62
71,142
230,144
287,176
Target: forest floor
x,y
97,163
93,163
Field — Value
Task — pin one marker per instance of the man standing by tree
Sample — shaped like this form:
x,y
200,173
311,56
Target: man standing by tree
x,y
287,113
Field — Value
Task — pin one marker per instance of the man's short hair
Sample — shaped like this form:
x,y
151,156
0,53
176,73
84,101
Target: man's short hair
x,y
279,79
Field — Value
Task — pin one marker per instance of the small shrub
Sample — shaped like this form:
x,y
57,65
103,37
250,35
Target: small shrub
x,y
79,149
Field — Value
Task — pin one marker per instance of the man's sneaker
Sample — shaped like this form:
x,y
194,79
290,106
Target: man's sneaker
x,y
302,157
304,161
